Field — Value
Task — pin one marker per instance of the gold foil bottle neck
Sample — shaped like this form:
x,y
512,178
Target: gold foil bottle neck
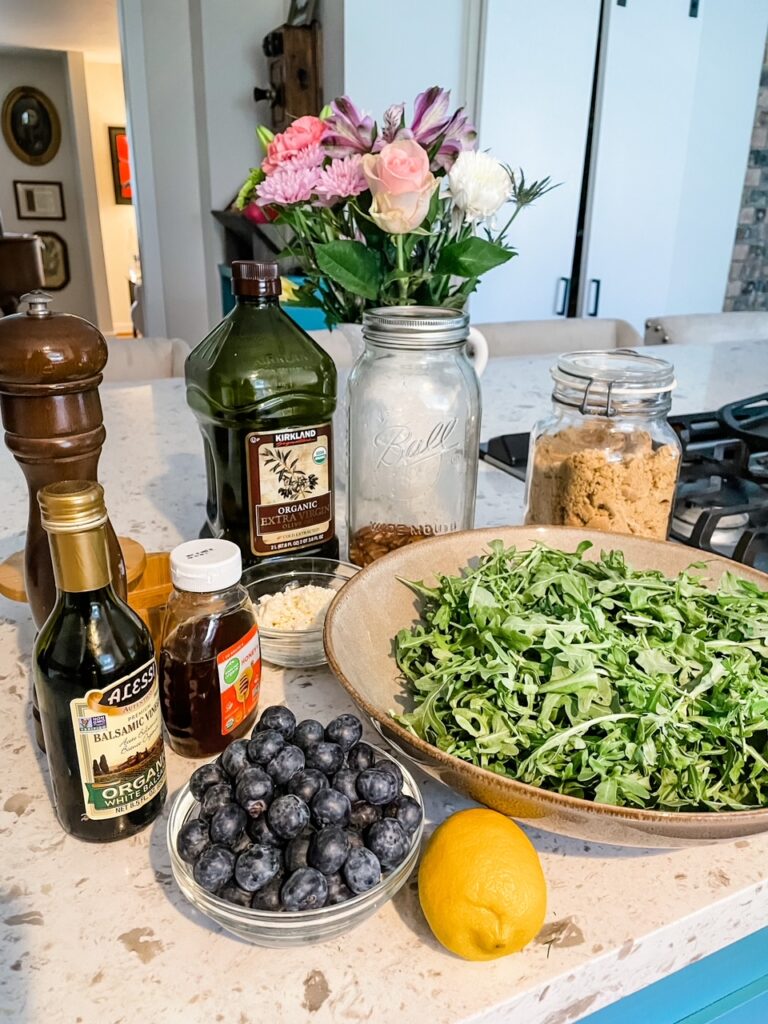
x,y
72,506
74,516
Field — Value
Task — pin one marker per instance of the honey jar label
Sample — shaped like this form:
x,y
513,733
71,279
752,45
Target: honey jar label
x,y
290,488
119,743
239,669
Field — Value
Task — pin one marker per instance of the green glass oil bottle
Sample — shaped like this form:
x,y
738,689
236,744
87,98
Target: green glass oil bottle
x,y
264,395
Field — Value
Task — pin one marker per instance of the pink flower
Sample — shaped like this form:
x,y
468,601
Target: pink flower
x,y
402,185
287,185
348,130
312,156
400,167
300,135
342,178
257,215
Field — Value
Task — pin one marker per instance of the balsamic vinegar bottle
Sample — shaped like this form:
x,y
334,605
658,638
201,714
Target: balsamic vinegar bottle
x,y
96,680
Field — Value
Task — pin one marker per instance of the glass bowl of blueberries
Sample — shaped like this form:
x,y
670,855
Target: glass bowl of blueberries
x,y
297,834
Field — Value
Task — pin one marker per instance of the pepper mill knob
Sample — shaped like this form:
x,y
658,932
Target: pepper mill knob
x,y
38,303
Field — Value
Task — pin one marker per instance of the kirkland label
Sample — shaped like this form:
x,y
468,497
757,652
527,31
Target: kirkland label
x,y
290,488
119,742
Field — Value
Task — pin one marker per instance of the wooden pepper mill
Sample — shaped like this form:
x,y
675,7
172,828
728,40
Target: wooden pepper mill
x,y
50,371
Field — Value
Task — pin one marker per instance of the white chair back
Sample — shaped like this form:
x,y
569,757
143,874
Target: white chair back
x,y
706,328
142,359
551,337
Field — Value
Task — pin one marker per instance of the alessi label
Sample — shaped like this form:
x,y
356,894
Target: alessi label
x,y
290,488
239,669
119,742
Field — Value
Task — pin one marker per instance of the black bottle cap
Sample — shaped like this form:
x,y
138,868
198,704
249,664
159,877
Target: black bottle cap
x,y
249,277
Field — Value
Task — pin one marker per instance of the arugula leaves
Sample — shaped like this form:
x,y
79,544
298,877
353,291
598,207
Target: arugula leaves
x,y
596,680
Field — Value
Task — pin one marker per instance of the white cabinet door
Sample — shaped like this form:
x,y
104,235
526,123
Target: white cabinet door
x,y
727,81
676,107
644,110
535,95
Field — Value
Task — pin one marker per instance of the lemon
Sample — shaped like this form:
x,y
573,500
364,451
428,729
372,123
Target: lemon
x,y
481,886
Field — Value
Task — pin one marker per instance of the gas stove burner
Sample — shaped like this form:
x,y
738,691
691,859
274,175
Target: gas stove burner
x,y
725,536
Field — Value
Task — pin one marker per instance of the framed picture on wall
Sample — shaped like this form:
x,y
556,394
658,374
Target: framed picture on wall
x,y
39,200
55,260
121,165
31,126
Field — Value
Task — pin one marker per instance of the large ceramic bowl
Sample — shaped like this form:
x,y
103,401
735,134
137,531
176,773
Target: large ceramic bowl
x,y
372,607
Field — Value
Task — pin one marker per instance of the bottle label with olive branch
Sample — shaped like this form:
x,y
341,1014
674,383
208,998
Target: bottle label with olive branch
x,y
290,488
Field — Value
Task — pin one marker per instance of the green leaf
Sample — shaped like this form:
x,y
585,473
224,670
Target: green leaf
x,y
472,257
352,265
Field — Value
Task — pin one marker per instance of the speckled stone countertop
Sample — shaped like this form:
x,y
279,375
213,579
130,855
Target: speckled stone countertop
x,y
101,934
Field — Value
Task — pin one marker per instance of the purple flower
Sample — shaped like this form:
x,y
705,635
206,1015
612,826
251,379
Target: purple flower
x,y
342,178
348,130
310,156
287,185
433,123
393,124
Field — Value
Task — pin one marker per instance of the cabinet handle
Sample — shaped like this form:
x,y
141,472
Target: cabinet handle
x,y
561,294
693,10
595,285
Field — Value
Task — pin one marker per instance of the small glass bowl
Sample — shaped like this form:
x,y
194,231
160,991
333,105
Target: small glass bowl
x,y
283,927
298,648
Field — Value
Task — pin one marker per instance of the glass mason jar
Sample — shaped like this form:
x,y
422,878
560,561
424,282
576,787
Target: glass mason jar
x,y
606,458
414,419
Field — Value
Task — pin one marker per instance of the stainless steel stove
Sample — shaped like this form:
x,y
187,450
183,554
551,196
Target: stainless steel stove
x,y
721,503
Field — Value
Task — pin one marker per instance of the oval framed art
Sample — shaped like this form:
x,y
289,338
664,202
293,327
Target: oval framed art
x,y
31,125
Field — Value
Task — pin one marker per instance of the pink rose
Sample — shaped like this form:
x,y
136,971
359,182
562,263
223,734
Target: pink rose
x,y
298,136
402,185
400,167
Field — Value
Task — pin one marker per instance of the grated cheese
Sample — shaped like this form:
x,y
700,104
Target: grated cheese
x,y
294,608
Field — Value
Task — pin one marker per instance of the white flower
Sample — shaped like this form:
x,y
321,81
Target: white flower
x,y
478,184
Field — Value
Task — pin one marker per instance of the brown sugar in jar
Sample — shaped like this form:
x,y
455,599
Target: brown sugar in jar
x,y
606,459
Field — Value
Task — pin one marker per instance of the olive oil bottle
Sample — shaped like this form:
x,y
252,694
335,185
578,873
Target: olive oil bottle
x,y
264,395
96,680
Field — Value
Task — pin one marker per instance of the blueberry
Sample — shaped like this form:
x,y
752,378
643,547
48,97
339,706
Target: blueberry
x,y
329,807
328,849
377,787
288,815
355,839
308,732
214,797
192,839
261,834
214,868
362,815
305,889
257,867
204,777
296,853
385,764
362,870
405,810
345,730
328,757
228,825
387,839
254,791
279,718
242,843
361,756
308,782
234,894
286,764
344,781
268,898
235,757
338,891
263,746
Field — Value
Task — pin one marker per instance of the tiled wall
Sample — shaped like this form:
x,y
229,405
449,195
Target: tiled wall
x,y
748,280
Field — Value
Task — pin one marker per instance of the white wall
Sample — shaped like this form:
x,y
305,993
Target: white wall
x,y
392,57
106,107
47,71
190,68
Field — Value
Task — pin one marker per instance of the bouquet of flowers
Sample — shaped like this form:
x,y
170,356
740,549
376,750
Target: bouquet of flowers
x,y
390,214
